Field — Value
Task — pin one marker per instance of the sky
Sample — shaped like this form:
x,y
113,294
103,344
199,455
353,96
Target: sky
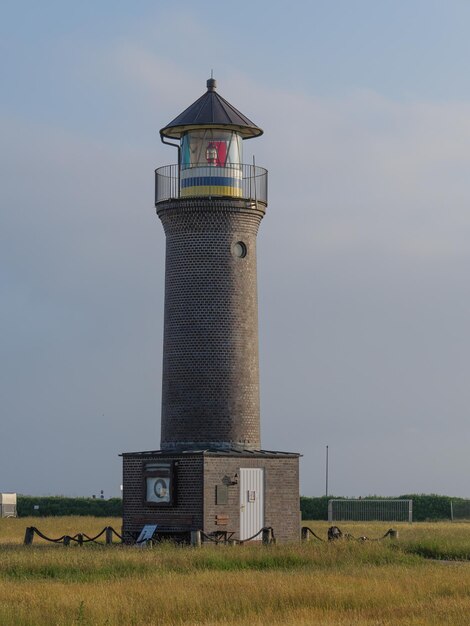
x,y
363,256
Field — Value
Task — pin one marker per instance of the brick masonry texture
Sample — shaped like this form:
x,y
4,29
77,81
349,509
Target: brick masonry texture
x,y
281,496
210,395
210,391
196,476
189,494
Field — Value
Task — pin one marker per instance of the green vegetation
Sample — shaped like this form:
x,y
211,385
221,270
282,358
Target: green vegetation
x,y
426,507
59,505
430,507
344,583
314,508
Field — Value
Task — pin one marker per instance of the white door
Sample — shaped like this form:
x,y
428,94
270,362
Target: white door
x,y
251,502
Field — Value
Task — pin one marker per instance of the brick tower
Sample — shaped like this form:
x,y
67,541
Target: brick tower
x,y
210,472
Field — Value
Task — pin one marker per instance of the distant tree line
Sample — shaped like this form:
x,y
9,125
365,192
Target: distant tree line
x,y
425,506
59,505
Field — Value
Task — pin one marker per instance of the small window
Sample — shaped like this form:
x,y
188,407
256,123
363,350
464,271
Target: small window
x,y
239,249
158,483
221,494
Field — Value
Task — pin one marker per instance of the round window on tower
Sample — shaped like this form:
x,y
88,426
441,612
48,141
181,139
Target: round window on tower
x,y
239,249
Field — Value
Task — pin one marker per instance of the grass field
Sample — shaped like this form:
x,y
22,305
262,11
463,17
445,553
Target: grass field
x,y
344,583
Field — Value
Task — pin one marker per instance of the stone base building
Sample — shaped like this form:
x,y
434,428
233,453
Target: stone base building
x,y
214,491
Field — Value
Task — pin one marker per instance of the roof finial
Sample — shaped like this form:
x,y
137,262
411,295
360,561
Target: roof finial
x,y
211,83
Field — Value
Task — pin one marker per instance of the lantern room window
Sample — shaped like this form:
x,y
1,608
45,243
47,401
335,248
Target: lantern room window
x,y
211,147
211,163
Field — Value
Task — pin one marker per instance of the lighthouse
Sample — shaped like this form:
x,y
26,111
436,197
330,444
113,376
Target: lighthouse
x,y
211,472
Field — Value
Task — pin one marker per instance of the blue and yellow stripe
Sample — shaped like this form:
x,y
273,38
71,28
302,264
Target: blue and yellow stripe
x,y
211,186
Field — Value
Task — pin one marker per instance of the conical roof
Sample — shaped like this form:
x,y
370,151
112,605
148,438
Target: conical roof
x,y
211,111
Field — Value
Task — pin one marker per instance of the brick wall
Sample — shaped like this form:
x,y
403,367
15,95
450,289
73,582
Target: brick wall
x,y
210,394
189,485
281,497
197,476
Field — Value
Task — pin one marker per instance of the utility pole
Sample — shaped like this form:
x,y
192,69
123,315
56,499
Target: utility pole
x,y
326,490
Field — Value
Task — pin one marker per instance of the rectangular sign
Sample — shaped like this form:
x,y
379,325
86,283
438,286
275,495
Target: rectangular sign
x,y
146,534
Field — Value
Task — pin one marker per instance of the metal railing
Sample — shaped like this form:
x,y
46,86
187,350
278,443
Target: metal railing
x,y
242,181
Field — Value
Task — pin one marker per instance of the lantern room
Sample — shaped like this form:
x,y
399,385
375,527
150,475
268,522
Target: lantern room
x,y
211,163
210,152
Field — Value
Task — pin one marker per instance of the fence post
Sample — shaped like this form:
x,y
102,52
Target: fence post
x,y
410,512
109,535
29,536
66,540
451,511
305,534
267,536
330,510
196,538
393,534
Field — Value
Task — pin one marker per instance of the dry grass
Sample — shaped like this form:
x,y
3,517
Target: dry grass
x,y
345,583
444,540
